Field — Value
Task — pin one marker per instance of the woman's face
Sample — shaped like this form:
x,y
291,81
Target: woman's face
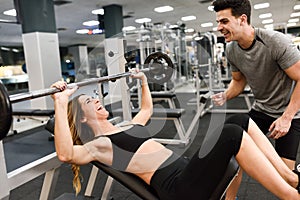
x,y
92,108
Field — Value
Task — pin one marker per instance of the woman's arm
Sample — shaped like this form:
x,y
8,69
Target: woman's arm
x,y
66,151
146,105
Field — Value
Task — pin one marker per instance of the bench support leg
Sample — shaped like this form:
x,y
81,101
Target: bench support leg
x,y
49,184
91,182
107,188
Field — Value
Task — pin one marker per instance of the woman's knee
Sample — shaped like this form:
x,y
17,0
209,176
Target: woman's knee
x,y
232,130
234,134
241,120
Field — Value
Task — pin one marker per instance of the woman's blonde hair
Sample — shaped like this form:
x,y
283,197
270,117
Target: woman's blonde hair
x,y
75,114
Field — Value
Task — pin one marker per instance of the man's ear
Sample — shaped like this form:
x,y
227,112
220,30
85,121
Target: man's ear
x,y
244,18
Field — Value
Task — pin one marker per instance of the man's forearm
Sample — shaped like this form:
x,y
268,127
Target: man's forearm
x,y
234,89
294,104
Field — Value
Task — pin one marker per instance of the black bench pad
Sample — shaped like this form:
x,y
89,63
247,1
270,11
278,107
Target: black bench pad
x,y
143,190
33,112
246,91
157,112
158,95
130,181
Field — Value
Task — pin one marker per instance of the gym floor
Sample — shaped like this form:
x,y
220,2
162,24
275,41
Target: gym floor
x,y
32,144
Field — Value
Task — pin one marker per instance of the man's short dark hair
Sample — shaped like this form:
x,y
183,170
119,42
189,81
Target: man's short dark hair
x,y
238,7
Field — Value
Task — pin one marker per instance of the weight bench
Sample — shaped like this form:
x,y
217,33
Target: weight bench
x,y
245,94
35,114
166,114
51,122
145,191
138,186
170,97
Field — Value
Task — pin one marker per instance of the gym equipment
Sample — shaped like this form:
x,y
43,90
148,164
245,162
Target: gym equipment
x,y
159,68
143,190
164,114
161,72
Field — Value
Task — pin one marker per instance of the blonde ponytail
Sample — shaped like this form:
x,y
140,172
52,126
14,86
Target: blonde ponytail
x,y
76,179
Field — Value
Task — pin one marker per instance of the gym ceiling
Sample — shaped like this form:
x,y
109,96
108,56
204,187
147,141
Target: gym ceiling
x,y
70,14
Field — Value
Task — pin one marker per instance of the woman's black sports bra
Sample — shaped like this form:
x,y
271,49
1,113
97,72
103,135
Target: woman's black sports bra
x,y
126,143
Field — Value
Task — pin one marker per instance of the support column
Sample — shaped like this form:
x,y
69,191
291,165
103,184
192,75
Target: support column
x,y
80,58
113,20
41,46
115,61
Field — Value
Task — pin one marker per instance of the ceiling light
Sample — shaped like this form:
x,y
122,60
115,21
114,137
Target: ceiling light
x,y
190,30
266,15
82,31
261,6
291,24
173,26
91,23
267,21
97,31
163,9
89,31
98,11
293,20
296,7
197,38
211,8
269,26
5,49
11,12
128,28
16,50
188,18
297,14
6,21
208,24
143,20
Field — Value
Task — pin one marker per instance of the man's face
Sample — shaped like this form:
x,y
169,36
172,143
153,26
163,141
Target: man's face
x,y
228,25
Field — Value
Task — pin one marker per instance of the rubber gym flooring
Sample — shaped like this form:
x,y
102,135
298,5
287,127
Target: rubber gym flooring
x,y
25,147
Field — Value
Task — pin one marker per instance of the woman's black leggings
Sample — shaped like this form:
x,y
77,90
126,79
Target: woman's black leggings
x,y
198,177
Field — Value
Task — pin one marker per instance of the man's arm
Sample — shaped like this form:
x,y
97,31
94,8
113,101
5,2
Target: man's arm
x,y
235,88
294,73
282,125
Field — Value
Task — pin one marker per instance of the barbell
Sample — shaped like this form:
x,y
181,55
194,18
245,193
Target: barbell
x,y
158,68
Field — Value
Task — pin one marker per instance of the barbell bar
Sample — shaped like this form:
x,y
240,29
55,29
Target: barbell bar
x,y
158,68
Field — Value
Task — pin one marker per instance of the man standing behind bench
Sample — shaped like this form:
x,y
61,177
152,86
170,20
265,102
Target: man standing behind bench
x,y
270,64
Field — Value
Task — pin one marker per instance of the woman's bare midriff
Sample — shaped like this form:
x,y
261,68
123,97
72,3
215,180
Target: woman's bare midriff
x,y
147,159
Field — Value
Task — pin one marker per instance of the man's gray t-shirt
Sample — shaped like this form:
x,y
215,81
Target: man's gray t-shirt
x,y
263,66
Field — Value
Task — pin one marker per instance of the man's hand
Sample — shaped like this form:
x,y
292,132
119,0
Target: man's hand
x,y
219,99
279,127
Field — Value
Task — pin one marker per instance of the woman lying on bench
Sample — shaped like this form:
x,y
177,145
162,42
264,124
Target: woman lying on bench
x,y
131,149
